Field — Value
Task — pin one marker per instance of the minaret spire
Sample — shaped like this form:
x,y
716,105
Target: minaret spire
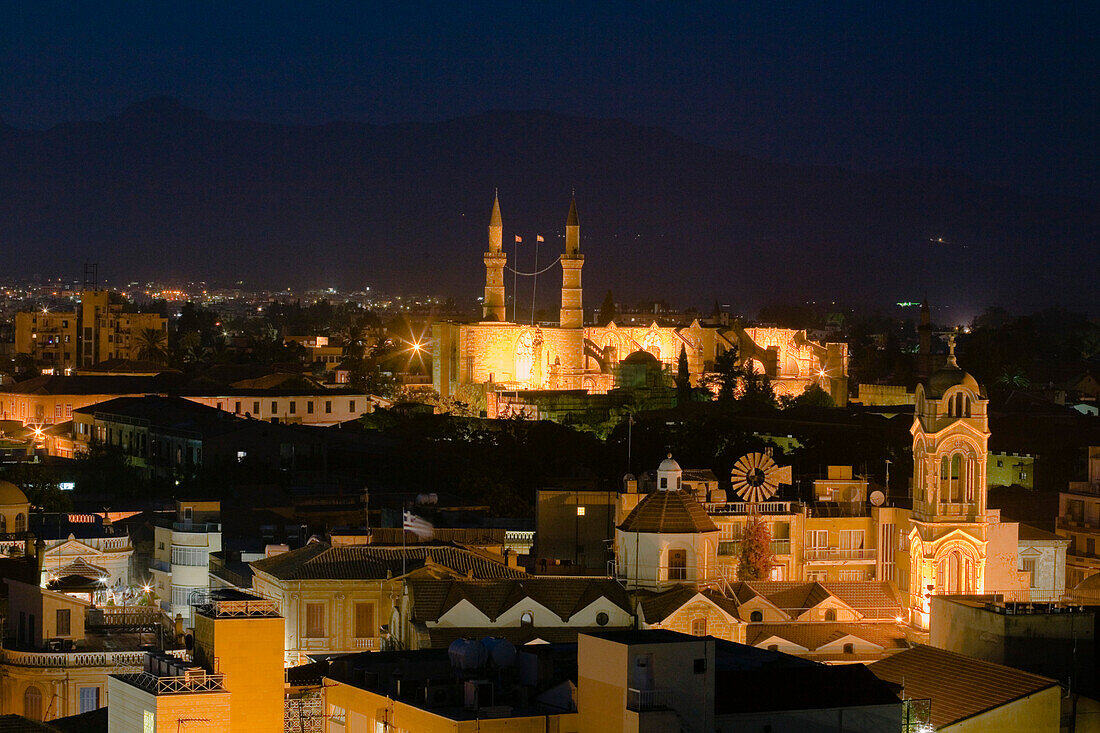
x,y
492,307
572,313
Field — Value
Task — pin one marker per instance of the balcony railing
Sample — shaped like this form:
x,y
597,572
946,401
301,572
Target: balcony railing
x,y
365,643
733,547
73,659
742,507
647,699
839,553
200,682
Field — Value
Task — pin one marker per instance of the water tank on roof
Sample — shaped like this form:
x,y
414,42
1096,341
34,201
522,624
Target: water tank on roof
x,y
431,498
502,653
467,654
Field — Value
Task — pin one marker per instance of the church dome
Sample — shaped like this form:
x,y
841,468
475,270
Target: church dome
x,y
11,494
640,357
948,377
672,512
669,464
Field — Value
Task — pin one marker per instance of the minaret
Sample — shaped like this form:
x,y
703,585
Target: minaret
x,y
493,308
572,313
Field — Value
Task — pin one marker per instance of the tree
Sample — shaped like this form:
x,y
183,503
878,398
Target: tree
x,y
756,550
725,378
152,345
607,310
683,378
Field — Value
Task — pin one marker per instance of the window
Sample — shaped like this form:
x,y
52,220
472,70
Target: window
x,y
1028,564
849,648
580,511
830,614
293,407
364,620
274,408
21,522
851,575
191,556
32,703
256,408
89,699
351,405
602,619
337,715
851,543
309,407
328,406
817,538
527,618
819,576
219,405
699,626
664,482
677,564
315,620
756,617
63,615
773,647
237,407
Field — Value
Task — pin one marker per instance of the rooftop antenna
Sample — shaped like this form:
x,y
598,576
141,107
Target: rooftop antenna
x,y
91,275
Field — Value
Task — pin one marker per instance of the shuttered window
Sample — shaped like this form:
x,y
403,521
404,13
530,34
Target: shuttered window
x,y
315,620
364,620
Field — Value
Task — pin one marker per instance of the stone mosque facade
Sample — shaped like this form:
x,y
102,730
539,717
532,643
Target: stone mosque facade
x,y
497,355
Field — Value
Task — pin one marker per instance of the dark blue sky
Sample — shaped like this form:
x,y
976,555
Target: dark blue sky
x,y
1006,91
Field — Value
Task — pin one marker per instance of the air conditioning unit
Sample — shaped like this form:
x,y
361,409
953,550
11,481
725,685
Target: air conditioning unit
x,y
441,696
194,675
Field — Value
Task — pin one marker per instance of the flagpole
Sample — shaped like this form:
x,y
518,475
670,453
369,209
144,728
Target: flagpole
x,y
535,279
515,281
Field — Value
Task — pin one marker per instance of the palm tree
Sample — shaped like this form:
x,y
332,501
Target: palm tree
x,y
152,345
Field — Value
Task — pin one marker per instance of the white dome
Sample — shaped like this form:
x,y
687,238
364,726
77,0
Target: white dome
x,y
669,465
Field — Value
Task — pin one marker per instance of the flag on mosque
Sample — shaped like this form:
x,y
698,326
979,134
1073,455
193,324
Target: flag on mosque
x,y
419,526
519,239
538,238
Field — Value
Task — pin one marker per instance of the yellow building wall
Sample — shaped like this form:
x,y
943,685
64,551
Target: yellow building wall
x,y
249,652
718,624
133,709
1038,713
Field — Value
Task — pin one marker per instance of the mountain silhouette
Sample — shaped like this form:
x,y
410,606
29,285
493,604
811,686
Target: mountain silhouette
x,y
162,190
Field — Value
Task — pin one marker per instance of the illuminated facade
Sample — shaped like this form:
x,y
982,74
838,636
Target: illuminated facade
x,y
497,355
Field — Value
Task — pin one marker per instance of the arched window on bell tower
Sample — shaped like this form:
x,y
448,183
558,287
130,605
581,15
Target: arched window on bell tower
x,y
956,478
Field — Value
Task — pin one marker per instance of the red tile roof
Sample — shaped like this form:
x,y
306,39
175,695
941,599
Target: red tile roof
x,y
673,512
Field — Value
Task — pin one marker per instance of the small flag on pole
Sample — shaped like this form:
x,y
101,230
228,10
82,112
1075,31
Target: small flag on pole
x,y
419,526
538,238
518,239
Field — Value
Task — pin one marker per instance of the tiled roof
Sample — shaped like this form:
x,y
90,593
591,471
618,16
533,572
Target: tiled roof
x,y
675,512
656,607
959,686
1034,534
321,561
872,599
812,635
565,597
810,687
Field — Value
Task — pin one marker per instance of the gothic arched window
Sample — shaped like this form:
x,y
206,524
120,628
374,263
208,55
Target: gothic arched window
x,y
956,477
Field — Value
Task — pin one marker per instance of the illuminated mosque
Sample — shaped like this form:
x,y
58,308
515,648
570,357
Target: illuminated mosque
x,y
497,355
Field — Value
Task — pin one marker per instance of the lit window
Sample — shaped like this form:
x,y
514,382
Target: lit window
x,y
580,511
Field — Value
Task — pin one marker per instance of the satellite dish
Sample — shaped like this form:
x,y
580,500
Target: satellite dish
x,y
878,498
756,478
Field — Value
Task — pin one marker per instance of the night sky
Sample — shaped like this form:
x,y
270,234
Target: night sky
x,y
1005,91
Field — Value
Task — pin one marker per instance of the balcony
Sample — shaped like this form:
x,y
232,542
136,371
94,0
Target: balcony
x,y
839,554
742,507
733,547
73,659
193,682
639,700
365,643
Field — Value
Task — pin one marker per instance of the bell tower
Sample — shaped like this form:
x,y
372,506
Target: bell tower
x,y
572,312
950,524
493,308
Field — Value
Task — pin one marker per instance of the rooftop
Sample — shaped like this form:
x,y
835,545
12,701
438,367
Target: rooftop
x,y
671,512
959,687
322,561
